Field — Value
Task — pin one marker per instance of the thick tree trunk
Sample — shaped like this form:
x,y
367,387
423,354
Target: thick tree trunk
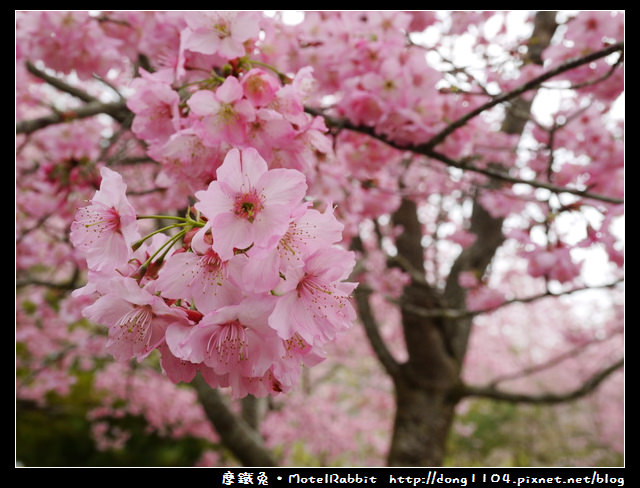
x,y
422,423
424,383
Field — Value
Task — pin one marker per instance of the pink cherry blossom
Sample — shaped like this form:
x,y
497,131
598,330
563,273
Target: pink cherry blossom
x,y
223,115
241,386
555,264
309,231
69,41
317,305
187,164
201,279
253,282
232,340
249,205
259,87
271,133
104,230
169,411
155,104
136,319
222,33
234,346
177,370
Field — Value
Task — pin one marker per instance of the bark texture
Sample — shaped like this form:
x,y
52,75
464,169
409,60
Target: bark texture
x,y
236,434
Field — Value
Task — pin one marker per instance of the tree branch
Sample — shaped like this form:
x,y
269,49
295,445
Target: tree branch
x,y
427,148
117,110
369,322
93,106
504,176
454,313
244,442
525,87
60,84
554,361
431,360
587,387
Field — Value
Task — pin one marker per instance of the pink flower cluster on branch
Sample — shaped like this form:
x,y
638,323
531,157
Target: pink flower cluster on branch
x,y
250,284
256,289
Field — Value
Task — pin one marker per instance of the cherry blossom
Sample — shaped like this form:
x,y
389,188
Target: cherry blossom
x,y
233,340
222,33
316,304
201,279
223,114
213,304
259,87
309,230
156,105
249,204
135,317
555,264
67,40
105,230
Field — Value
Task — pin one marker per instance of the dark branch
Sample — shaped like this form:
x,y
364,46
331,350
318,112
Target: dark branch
x,y
587,387
530,85
427,148
59,84
93,106
554,361
504,176
370,324
244,442
454,313
117,110
72,284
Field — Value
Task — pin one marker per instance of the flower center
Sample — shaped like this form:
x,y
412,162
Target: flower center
x,y
211,260
222,29
247,205
100,218
134,325
227,113
229,342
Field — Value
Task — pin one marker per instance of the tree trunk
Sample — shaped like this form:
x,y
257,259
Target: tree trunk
x,y
426,386
422,423
423,384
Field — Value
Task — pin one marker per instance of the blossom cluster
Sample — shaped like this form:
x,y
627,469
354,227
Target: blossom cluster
x,y
250,283
217,95
256,288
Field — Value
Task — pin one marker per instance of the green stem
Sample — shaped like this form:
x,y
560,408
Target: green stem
x,y
166,247
211,80
165,217
137,244
169,244
283,78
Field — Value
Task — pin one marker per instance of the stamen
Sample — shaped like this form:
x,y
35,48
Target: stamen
x,y
248,205
134,325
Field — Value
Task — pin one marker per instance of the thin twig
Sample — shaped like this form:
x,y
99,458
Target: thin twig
x,y
452,313
427,148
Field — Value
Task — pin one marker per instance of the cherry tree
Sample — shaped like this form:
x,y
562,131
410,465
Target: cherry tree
x,y
233,200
